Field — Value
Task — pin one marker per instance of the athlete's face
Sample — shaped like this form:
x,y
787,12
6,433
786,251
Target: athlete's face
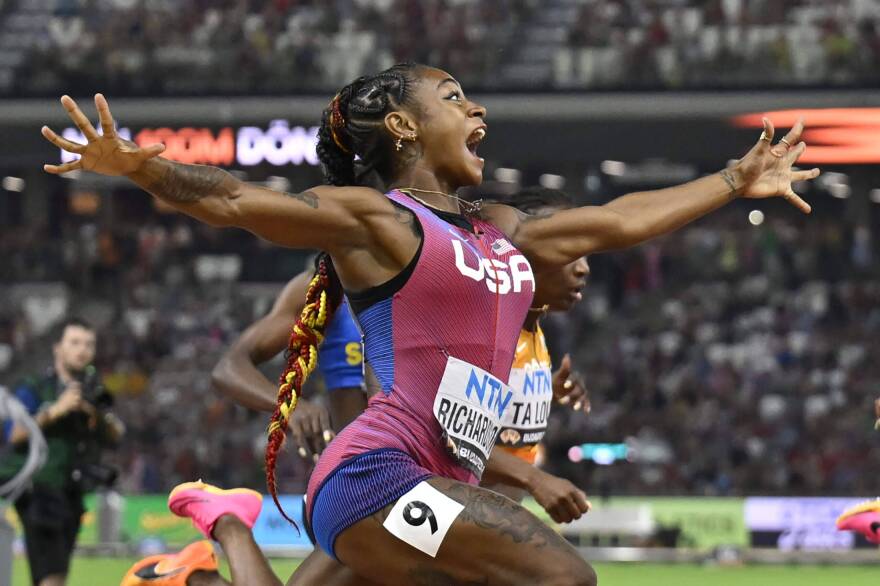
x,y
449,129
561,288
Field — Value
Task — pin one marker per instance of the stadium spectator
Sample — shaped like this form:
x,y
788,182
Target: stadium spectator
x,y
762,346
590,44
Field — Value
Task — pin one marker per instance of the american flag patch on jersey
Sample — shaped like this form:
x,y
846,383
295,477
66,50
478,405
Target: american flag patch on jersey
x,y
502,246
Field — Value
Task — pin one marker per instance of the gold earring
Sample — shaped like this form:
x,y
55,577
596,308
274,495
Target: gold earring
x,y
398,144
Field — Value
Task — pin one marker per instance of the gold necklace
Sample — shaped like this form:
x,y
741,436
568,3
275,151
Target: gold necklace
x,y
468,207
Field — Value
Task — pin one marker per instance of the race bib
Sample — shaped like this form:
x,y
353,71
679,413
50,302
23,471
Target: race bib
x,y
470,405
525,419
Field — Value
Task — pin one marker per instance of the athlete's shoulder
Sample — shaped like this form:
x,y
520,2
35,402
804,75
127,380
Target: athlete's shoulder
x,y
504,217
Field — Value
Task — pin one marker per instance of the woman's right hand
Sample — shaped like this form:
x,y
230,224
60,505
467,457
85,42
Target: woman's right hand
x,y
106,153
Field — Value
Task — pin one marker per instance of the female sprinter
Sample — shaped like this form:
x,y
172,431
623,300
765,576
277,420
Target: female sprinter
x,y
440,290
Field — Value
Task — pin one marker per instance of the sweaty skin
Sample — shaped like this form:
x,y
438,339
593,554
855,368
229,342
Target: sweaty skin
x,y
237,376
370,241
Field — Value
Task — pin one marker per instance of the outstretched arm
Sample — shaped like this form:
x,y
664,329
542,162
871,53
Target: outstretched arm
x,y
555,240
324,217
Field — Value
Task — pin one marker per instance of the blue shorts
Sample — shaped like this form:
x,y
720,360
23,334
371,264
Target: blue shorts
x,y
341,356
359,487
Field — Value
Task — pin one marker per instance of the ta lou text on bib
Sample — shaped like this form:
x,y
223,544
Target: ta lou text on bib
x,y
525,419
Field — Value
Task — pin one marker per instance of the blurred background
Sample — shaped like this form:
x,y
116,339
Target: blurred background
x,y
735,359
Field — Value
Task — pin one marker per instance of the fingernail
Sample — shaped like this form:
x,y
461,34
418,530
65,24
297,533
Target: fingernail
x,y
315,458
564,401
303,453
577,406
567,385
328,435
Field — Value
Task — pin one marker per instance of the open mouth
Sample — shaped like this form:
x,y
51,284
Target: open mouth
x,y
474,140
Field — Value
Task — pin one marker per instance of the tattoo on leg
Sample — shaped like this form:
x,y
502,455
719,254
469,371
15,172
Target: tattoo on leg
x,y
307,197
502,515
190,183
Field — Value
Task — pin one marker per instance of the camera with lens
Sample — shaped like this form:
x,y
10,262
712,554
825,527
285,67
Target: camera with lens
x,y
89,472
93,389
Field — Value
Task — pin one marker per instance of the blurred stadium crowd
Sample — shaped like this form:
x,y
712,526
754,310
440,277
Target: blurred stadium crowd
x,y
728,352
191,46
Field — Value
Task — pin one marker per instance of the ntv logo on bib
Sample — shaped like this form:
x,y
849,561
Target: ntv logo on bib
x,y
499,396
500,277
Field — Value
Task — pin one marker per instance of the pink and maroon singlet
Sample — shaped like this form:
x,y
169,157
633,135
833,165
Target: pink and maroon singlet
x,y
441,346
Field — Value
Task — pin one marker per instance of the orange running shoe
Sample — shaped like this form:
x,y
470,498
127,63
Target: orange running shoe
x,y
172,569
204,504
863,518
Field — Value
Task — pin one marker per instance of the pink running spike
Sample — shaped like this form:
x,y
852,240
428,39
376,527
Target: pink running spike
x,y
863,518
204,504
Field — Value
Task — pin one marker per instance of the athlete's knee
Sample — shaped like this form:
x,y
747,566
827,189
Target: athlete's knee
x,y
574,572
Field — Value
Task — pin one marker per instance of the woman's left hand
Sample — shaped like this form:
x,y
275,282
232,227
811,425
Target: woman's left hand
x,y
768,169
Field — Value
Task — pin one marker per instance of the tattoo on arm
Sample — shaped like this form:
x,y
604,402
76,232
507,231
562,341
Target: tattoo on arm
x,y
731,183
189,183
307,197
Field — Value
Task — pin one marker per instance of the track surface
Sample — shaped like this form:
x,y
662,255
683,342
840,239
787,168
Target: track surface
x,y
108,572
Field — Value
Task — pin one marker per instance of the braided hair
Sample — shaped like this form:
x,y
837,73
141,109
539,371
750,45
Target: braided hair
x,y
351,126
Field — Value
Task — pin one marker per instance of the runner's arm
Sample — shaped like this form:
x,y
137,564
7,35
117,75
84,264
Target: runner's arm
x,y
237,375
325,217
559,238
562,500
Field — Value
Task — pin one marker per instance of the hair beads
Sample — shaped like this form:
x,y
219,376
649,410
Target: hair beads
x,y
302,359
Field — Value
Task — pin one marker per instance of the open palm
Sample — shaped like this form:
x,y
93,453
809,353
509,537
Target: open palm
x,y
768,170
105,153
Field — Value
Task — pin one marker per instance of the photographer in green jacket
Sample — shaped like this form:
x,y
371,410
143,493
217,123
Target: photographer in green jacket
x,y
72,408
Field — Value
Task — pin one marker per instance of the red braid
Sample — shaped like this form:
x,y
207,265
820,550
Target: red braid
x,y
302,358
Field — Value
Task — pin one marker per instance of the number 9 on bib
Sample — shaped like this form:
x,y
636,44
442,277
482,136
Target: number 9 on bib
x,y
422,517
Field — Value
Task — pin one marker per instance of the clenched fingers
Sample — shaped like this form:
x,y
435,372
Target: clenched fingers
x,y
300,438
